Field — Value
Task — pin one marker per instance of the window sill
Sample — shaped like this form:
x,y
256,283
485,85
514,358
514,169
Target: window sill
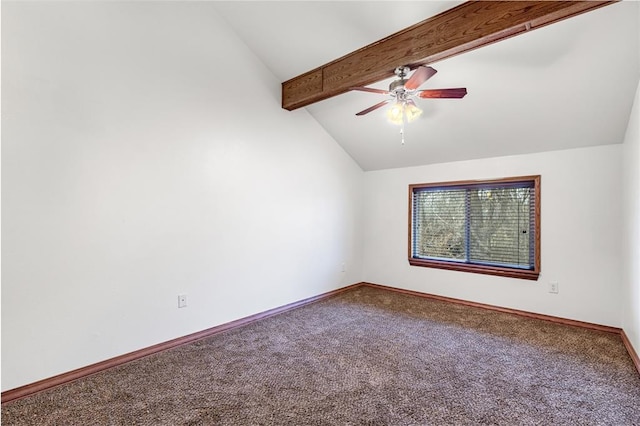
x,y
478,269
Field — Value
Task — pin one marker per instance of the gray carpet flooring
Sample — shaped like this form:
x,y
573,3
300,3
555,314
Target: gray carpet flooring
x,y
367,356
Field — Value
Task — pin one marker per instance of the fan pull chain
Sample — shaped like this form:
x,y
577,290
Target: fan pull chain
x,y
402,132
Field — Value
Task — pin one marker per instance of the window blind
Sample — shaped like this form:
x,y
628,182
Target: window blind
x,y
486,224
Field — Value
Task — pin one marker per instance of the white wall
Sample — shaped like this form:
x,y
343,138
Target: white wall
x,y
631,238
145,155
580,234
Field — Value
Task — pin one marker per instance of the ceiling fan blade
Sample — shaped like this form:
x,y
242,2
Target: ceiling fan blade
x,y
371,108
368,89
443,93
420,75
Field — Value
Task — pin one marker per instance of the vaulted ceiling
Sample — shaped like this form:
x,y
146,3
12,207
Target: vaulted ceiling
x,y
567,85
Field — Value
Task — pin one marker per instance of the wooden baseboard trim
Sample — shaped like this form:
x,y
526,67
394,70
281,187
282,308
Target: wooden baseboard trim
x,y
632,352
41,385
543,317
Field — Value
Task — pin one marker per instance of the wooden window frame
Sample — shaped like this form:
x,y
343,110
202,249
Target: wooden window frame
x,y
529,274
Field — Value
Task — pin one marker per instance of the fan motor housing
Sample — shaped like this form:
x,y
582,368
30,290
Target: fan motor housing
x,y
397,85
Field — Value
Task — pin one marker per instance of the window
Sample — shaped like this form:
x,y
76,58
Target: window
x,y
488,227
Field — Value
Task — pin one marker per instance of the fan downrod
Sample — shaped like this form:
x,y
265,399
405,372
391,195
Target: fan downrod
x,y
402,71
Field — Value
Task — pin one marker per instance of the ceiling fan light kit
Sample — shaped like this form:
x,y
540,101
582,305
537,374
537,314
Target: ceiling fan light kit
x,y
403,90
403,111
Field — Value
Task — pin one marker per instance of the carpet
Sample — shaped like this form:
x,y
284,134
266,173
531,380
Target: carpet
x,y
367,356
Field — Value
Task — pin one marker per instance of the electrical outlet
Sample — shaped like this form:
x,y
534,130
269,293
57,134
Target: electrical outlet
x,y
553,287
182,301
343,267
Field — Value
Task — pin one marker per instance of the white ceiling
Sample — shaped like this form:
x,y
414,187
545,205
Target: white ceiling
x,y
567,85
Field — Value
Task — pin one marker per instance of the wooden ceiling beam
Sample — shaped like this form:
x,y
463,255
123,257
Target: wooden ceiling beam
x,y
463,28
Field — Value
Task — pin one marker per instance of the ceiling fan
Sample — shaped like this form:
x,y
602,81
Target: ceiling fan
x,y
403,90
